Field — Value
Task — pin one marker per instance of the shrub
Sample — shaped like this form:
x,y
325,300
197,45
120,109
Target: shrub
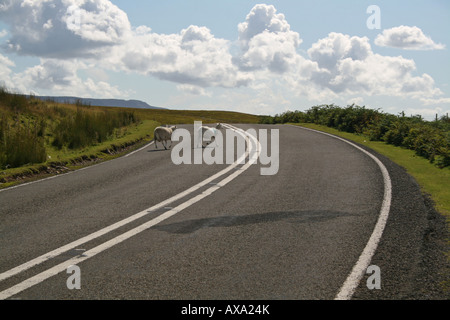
x,y
430,140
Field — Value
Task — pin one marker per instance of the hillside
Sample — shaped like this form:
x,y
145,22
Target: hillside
x,y
99,102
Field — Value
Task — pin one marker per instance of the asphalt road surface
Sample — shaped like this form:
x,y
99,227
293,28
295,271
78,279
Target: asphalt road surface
x,y
221,231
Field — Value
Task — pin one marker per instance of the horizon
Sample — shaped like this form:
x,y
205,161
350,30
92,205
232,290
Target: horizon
x,y
251,57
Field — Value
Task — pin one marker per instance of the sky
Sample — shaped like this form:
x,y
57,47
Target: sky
x,y
238,55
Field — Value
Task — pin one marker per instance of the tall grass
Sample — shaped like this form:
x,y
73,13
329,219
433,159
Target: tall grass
x,y
28,127
84,129
21,137
21,144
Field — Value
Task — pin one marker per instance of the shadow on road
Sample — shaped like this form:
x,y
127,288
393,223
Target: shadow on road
x,y
190,226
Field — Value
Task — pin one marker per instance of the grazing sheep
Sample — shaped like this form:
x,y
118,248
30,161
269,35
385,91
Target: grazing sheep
x,y
163,134
208,133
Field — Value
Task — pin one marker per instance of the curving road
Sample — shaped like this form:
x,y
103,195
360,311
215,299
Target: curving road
x,y
141,227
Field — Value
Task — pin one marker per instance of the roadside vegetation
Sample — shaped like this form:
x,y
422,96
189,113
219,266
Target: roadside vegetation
x,y
428,139
39,138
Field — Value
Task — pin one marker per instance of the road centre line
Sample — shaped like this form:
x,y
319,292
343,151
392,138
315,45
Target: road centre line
x,y
116,225
354,278
108,244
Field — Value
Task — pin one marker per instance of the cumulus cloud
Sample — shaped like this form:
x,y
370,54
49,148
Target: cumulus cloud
x,y
63,28
405,37
93,37
52,74
327,52
5,71
193,90
266,41
193,56
62,78
348,65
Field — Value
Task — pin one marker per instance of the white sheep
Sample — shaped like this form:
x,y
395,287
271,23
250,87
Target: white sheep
x,y
163,134
207,134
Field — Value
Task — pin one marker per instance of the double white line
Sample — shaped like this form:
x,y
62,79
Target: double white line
x,y
253,149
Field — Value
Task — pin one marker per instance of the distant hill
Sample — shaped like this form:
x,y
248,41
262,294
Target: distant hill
x,y
101,102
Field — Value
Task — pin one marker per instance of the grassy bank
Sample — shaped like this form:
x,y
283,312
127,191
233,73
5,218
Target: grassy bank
x,y
39,139
433,180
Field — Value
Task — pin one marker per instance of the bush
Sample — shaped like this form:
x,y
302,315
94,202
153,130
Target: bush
x,y
430,140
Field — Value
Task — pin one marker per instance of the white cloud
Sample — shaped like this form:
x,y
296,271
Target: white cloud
x,y
63,28
266,41
94,37
61,78
327,52
436,101
262,18
5,72
405,37
427,113
348,65
96,21
194,57
357,101
194,90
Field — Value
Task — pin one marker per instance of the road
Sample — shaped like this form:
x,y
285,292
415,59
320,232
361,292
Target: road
x,y
221,231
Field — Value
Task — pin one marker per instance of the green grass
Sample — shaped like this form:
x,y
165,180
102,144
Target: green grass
x,y
172,117
433,181
130,137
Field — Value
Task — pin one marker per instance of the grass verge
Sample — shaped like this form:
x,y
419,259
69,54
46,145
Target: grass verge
x,y
134,136
65,160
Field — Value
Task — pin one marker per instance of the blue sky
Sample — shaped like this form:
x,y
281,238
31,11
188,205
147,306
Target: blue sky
x,y
249,56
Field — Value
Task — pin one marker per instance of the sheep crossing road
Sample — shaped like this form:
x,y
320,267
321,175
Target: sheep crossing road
x,y
141,227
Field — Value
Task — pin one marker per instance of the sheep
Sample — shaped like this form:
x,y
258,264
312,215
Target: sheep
x,y
208,133
163,134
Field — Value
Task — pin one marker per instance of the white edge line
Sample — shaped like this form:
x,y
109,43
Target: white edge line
x,y
96,250
70,172
354,278
140,149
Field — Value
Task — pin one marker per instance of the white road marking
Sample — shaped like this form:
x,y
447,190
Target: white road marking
x,y
70,172
351,283
76,243
147,145
108,244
